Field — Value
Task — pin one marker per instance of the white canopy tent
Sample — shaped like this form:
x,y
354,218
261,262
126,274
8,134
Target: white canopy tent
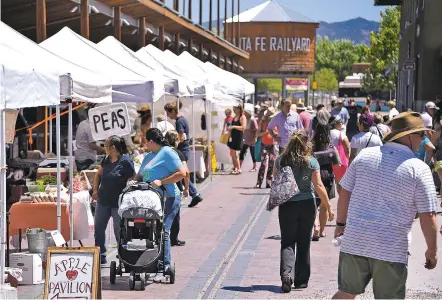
x,y
240,85
86,85
127,85
122,54
22,84
170,65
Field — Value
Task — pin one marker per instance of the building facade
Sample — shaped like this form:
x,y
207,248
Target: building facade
x,y
420,56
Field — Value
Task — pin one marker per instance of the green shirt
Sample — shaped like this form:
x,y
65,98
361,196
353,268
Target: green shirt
x,y
303,176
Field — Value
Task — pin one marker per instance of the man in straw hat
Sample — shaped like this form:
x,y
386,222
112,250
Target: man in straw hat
x,y
382,191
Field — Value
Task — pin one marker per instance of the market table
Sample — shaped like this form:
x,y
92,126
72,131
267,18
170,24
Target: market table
x,y
38,215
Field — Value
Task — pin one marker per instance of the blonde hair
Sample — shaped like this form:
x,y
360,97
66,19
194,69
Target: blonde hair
x,y
298,150
391,104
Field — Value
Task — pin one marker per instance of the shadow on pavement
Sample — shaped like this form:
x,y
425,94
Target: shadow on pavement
x,y
254,194
254,288
274,237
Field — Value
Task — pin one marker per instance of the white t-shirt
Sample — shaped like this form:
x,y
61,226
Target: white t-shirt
x,y
428,120
334,136
83,138
388,186
165,126
393,113
365,140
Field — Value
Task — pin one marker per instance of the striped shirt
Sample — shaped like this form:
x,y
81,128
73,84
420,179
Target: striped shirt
x,y
388,187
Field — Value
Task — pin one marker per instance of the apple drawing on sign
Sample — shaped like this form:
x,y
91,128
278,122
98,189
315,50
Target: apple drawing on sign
x,y
72,274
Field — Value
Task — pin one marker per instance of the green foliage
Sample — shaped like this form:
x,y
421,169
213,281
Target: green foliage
x,y
269,85
326,79
383,53
339,56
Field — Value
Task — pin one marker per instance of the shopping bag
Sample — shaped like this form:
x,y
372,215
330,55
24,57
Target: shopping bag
x,y
224,139
283,188
258,146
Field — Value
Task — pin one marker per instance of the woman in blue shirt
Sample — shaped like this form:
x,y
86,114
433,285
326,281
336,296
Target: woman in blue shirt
x,y
162,167
112,176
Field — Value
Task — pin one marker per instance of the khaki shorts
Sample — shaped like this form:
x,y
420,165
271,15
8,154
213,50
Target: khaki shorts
x,y
355,272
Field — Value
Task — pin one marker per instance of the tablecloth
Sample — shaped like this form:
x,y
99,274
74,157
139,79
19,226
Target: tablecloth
x,y
200,166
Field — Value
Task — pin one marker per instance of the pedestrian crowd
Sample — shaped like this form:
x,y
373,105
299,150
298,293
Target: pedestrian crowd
x,y
382,176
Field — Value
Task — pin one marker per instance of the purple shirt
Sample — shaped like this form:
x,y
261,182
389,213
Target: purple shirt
x,y
286,126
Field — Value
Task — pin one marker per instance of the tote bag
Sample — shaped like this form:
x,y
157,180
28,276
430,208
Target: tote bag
x,y
283,188
340,171
224,139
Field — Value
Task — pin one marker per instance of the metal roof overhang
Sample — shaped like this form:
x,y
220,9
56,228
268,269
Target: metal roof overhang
x,y
159,14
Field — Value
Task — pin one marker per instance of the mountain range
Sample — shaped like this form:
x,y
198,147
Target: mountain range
x,y
356,30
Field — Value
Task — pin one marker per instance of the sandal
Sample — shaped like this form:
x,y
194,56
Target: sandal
x,y
234,173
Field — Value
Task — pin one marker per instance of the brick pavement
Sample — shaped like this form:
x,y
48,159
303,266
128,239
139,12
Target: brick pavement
x,y
232,251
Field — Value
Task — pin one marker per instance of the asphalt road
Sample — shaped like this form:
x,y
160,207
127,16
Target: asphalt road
x,y
232,251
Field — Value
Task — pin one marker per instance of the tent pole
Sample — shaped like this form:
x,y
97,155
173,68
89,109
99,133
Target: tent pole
x,y
57,128
71,174
210,142
50,129
193,140
3,193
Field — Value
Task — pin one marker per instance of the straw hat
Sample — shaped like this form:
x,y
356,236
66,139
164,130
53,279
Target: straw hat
x,y
404,124
300,106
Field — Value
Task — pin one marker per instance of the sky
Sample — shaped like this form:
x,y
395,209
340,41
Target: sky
x,y
319,10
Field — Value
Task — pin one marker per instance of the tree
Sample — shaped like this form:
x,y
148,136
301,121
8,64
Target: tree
x,y
326,79
383,53
269,84
339,55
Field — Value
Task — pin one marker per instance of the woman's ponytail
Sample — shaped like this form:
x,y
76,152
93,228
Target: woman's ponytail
x,y
155,135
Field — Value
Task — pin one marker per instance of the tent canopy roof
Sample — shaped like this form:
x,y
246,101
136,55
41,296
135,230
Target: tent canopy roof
x,y
271,11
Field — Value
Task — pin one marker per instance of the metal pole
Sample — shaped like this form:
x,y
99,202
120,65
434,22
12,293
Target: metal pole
x,y
71,175
210,140
57,128
193,140
50,129
3,193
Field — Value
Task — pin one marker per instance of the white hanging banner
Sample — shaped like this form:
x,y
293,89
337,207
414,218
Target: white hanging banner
x,y
108,120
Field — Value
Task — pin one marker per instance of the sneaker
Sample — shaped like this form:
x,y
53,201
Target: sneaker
x,y
103,260
286,285
177,243
195,200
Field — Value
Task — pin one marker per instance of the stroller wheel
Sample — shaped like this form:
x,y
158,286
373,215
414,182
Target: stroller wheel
x,y
170,271
142,281
132,277
113,272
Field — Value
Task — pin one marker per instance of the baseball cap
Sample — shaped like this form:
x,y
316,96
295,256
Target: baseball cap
x,y
431,105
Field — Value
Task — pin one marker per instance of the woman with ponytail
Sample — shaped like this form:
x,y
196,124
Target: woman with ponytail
x,y
162,167
112,177
297,216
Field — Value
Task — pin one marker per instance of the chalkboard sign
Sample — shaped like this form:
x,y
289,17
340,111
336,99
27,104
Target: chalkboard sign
x,y
73,273
112,119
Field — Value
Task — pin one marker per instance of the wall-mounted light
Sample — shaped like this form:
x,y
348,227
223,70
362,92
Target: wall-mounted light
x,y
195,49
182,44
167,39
74,9
125,22
149,30
134,31
108,23
94,9
205,52
153,39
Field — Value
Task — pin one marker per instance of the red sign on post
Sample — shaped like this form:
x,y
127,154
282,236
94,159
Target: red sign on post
x,y
296,84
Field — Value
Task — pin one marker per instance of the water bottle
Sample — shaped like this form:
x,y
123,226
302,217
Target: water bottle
x,y
337,241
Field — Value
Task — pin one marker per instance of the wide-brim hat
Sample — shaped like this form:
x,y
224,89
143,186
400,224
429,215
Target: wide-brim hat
x,y
270,112
404,124
300,106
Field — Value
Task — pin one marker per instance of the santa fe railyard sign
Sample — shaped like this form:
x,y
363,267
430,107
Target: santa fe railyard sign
x,y
287,44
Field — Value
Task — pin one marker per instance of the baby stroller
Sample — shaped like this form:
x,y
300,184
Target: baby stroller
x,y
141,242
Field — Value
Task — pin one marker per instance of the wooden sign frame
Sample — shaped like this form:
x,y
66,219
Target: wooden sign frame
x,y
96,280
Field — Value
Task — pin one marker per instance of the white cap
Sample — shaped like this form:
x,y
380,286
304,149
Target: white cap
x,y
334,98
431,105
